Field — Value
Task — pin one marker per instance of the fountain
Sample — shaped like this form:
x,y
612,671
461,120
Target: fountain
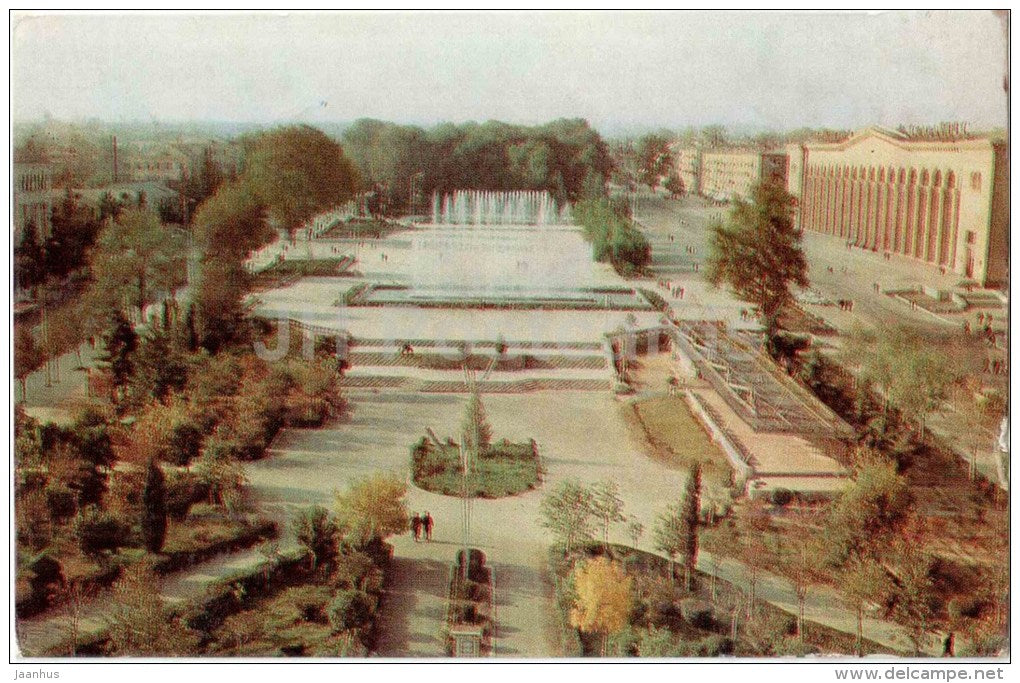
x,y
486,207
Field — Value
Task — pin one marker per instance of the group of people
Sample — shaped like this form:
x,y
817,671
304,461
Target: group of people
x,y
846,305
421,525
677,291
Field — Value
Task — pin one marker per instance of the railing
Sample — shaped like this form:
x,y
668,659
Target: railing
x,y
739,458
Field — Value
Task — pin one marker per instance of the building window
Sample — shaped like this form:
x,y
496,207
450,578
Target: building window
x,y
975,181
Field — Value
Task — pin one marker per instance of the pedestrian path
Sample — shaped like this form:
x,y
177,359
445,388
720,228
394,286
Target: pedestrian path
x,y
413,611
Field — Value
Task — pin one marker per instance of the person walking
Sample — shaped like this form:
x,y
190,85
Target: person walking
x,y
428,527
416,528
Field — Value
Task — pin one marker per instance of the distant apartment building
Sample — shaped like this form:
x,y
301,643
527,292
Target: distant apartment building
x,y
32,197
728,174
164,167
941,202
687,164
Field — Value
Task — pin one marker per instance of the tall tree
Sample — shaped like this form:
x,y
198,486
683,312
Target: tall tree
x,y
691,517
136,257
373,508
671,535
296,172
160,367
567,512
476,428
757,252
864,582
117,356
604,598
28,259
27,356
869,511
654,158
317,532
154,514
607,505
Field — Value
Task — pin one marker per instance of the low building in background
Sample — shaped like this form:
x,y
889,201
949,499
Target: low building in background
x,y
32,197
728,174
943,202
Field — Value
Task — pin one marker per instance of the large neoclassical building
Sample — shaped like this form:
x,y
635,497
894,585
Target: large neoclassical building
x,y
942,202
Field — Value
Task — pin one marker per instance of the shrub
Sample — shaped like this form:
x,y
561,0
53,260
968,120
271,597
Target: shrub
x,y
357,570
697,613
714,646
350,609
182,491
666,614
61,501
782,497
185,443
309,601
99,531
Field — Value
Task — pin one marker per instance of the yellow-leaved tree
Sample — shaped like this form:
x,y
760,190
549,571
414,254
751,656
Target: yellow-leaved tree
x,y
373,508
603,601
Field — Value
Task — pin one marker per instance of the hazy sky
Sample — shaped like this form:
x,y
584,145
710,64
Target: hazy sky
x,y
617,70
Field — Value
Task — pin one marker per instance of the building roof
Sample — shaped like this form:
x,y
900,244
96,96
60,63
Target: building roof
x,y
155,192
898,139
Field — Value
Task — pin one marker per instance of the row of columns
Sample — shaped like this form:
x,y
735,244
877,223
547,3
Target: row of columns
x,y
909,213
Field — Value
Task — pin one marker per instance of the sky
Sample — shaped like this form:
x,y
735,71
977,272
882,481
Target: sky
x,y
770,71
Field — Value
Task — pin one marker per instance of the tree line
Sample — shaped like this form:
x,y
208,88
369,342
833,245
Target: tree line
x,y
406,164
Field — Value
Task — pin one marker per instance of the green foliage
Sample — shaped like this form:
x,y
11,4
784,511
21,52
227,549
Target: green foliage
x,y
653,157
136,257
567,512
27,355
607,506
154,508
98,532
141,624
160,368
296,172
317,533
757,252
350,609
73,231
565,157
675,186
29,267
476,428
218,302
868,511
612,234
119,344
372,508
502,469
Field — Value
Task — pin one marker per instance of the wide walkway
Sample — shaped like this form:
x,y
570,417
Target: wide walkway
x,y
581,436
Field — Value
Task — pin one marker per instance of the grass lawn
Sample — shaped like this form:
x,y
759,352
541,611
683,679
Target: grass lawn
x,y
676,437
503,469
297,268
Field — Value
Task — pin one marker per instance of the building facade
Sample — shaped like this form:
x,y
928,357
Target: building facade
x,y
687,164
730,174
33,203
944,203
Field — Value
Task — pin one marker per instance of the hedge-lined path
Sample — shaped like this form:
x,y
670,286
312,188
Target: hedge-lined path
x,y
413,611
44,632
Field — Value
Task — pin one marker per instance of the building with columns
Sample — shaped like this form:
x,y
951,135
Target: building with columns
x,y
941,202
728,174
